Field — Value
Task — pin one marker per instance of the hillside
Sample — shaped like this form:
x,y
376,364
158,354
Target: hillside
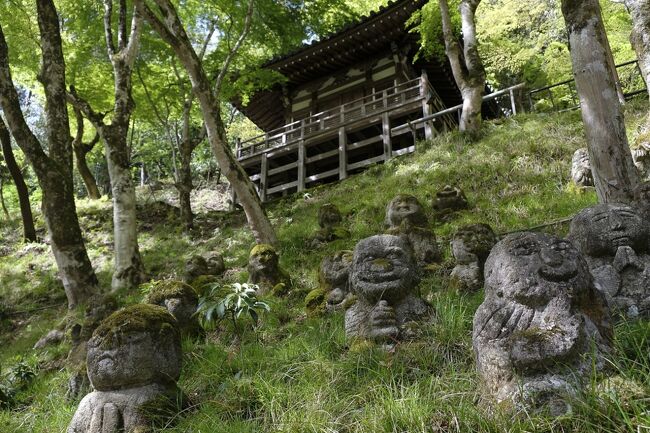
x,y
296,373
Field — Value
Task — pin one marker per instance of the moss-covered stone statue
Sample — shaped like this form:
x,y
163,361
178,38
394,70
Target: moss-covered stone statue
x,y
384,278
333,279
264,270
181,300
542,327
197,266
449,200
329,221
581,168
470,247
405,216
615,240
134,360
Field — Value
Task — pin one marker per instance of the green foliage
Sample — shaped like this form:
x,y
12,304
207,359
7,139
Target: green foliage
x,y
239,300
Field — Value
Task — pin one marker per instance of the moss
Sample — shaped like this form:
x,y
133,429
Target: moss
x,y
280,289
133,319
384,263
202,283
260,249
168,289
315,301
349,301
340,233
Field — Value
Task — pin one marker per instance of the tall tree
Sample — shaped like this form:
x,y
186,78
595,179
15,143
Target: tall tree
x,y
466,64
122,51
81,151
640,36
168,25
29,232
615,176
54,170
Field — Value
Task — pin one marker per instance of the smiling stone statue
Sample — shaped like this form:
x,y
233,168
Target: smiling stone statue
x,y
134,360
542,325
615,240
384,278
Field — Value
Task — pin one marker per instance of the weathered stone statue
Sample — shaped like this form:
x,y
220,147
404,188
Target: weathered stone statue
x,y
450,199
384,279
329,221
614,239
334,278
642,200
405,216
181,300
542,325
581,168
471,246
134,361
641,157
198,266
264,270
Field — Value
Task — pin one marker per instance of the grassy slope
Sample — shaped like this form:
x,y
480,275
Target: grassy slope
x,y
297,374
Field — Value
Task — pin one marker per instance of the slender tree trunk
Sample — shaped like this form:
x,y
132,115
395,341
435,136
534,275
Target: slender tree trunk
x,y
172,31
2,199
184,186
640,36
82,149
467,67
54,171
615,176
29,232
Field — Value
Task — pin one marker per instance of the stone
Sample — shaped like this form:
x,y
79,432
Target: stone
x,y
181,300
642,199
52,338
329,221
264,270
641,156
450,199
581,168
333,278
216,264
470,247
542,325
615,238
384,279
198,266
134,360
405,217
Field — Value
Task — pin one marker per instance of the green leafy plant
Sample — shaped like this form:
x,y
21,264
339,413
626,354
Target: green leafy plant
x,y
230,302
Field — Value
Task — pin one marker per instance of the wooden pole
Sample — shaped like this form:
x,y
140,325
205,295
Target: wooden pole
x,y
426,108
264,171
301,158
388,148
343,154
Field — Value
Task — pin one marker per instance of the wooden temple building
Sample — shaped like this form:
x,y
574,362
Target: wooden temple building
x,y
350,100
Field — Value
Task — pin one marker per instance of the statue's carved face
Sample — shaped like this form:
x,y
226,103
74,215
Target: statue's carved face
x,y
533,268
600,230
383,267
265,259
329,216
405,207
335,269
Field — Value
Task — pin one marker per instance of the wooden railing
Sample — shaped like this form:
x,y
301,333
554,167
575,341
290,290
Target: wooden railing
x,y
330,121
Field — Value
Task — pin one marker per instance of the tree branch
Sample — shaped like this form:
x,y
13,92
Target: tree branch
x,y
73,98
452,47
122,36
108,26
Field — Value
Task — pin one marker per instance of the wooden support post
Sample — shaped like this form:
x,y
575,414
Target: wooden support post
x,y
301,158
388,147
426,108
512,102
343,154
264,173
238,147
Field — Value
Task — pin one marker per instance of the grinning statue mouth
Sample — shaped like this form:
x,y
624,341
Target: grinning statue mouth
x,y
564,272
621,241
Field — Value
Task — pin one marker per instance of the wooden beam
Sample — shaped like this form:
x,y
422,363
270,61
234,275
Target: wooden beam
x,y
343,153
388,147
264,172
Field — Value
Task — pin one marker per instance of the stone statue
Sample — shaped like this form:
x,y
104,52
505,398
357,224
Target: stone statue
x,y
540,323
450,199
198,266
181,300
641,157
642,199
333,278
384,279
614,239
264,270
134,360
471,246
329,221
581,168
405,217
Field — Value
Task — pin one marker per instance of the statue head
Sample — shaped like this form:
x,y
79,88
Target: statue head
x,y
335,270
180,299
474,240
383,268
600,230
405,208
136,346
263,257
329,216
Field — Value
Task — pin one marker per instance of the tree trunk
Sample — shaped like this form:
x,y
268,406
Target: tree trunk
x,y
615,176
54,171
2,199
467,68
184,185
29,232
174,34
640,36
82,149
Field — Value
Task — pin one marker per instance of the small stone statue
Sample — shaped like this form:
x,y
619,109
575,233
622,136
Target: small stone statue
x,y
542,325
614,239
181,300
641,157
450,199
198,266
333,277
384,279
264,270
329,221
134,360
405,217
581,168
471,246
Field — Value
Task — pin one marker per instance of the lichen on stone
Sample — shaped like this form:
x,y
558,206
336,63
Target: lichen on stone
x,y
260,249
168,289
315,301
134,319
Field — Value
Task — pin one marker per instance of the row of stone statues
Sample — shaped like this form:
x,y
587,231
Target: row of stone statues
x,y
581,167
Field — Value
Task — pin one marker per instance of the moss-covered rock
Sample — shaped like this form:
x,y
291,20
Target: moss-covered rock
x,y
202,283
167,289
315,301
146,318
264,270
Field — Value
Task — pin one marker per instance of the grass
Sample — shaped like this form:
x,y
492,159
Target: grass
x,y
297,373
